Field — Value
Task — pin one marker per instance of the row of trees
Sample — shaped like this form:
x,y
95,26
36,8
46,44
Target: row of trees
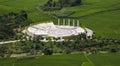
x,y
11,22
56,5
79,43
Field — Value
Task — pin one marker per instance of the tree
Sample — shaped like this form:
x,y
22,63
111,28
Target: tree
x,y
5,31
3,50
77,2
59,4
49,3
54,4
48,51
24,15
64,3
114,50
11,22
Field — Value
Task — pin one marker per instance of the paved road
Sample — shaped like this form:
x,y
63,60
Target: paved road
x,y
14,41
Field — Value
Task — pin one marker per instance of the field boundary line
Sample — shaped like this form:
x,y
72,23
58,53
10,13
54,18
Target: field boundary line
x,y
88,59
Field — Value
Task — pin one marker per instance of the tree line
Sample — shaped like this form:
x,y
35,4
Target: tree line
x,y
11,22
51,5
72,44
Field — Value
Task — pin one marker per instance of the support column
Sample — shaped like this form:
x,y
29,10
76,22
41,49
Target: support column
x,y
63,21
58,22
73,22
78,23
68,22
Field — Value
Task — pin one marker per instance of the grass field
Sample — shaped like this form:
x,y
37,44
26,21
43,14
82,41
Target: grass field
x,y
104,24
66,60
30,6
102,16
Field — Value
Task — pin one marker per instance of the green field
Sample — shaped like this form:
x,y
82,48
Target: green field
x,y
30,6
104,24
66,60
102,16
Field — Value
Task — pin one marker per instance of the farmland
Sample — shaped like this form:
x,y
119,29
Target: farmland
x,y
66,60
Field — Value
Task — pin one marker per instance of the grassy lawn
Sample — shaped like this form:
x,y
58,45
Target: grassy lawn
x,y
102,16
93,6
104,24
66,60
30,6
105,59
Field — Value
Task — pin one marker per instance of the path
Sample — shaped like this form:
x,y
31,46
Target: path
x,y
6,42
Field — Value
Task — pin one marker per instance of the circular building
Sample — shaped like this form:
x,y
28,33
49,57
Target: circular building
x,y
49,29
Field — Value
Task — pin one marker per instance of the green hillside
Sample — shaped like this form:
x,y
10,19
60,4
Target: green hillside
x,y
104,24
66,60
30,6
90,7
102,16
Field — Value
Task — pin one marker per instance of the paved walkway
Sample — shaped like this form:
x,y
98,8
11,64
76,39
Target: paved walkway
x,y
6,42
